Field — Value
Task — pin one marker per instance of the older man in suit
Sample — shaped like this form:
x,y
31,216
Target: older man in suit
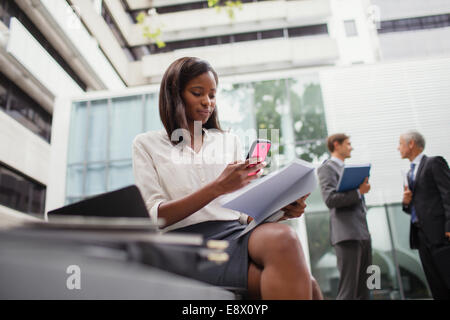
x,y
427,199
348,225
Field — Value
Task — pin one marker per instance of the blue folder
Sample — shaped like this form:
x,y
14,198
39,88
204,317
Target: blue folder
x,y
352,177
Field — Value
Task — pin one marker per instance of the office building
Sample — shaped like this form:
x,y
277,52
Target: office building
x,y
79,80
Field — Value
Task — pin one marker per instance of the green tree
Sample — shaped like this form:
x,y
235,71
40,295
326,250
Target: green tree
x,y
229,5
305,107
309,122
307,112
154,33
269,97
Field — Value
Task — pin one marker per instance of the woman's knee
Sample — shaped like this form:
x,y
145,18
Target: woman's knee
x,y
283,238
277,238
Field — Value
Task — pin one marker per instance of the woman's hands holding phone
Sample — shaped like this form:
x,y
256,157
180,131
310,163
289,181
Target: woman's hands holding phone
x,y
295,209
236,175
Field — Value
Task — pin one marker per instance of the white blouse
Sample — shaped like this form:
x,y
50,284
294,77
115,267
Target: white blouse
x,y
165,172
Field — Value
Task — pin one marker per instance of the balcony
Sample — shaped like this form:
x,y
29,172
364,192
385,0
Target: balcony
x,y
203,23
252,56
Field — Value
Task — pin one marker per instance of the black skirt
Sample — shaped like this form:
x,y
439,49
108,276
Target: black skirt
x,y
234,272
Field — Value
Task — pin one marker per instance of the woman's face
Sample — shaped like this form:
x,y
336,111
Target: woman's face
x,y
199,96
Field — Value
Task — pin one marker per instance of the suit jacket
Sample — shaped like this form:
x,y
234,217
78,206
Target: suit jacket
x,y
347,210
431,199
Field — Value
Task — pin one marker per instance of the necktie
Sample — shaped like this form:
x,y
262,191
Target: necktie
x,y
411,187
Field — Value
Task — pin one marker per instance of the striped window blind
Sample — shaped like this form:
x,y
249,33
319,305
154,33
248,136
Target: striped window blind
x,y
374,104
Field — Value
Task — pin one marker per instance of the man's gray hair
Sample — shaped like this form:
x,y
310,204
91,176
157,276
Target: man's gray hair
x,y
416,137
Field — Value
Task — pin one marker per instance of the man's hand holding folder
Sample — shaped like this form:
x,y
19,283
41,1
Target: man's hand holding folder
x,y
365,186
355,177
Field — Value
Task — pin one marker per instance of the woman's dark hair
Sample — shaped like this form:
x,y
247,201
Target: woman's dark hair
x,y
174,81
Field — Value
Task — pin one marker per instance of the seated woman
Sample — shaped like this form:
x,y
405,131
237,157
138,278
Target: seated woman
x,y
183,170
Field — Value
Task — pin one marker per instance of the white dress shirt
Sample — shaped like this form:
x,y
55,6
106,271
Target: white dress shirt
x,y
165,172
416,161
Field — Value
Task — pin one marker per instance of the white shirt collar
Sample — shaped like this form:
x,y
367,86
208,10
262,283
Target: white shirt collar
x,y
417,159
180,145
338,161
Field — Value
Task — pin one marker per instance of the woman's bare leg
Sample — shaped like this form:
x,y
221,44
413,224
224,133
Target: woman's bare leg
x,y
278,257
316,292
254,281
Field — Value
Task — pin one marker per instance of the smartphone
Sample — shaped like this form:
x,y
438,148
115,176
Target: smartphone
x,y
259,149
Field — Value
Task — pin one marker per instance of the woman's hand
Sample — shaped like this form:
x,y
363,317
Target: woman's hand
x,y
295,209
235,175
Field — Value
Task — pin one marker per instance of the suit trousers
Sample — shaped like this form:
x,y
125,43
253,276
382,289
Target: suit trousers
x,y
353,258
435,279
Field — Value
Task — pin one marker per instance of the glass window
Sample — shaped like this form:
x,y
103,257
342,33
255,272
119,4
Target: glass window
x,y
120,174
250,36
308,118
95,179
350,28
272,34
236,111
151,113
18,105
14,190
140,51
321,253
401,25
75,176
70,200
21,193
270,100
413,278
389,229
224,39
21,111
78,133
211,41
7,11
98,131
129,53
415,24
181,7
429,22
3,95
37,199
126,123
308,30
386,26
383,254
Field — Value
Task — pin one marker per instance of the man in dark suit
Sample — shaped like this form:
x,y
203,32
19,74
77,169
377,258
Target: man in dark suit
x,y
348,225
427,200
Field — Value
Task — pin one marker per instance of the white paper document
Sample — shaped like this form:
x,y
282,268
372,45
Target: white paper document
x,y
264,197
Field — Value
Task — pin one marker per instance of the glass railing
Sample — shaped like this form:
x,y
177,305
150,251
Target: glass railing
x,y
402,276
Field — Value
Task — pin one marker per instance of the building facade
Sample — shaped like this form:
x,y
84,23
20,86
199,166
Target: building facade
x,y
79,81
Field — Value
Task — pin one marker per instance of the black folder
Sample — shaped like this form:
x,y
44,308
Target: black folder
x,y
123,203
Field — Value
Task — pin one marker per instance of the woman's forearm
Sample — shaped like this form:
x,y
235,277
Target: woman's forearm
x,y
234,177
176,210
